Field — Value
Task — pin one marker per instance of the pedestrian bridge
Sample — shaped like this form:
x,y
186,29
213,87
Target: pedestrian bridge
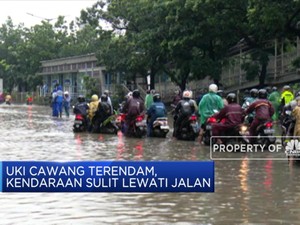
x,y
279,72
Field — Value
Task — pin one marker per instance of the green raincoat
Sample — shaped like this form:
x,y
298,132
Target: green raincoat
x,y
209,104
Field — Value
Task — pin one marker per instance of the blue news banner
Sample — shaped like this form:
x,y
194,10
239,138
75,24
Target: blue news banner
x,y
107,176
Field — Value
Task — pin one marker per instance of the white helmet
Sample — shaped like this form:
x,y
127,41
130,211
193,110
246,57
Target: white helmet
x,y
129,95
66,93
187,94
213,88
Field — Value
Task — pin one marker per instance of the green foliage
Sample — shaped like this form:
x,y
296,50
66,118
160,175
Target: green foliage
x,y
252,70
296,63
186,39
90,84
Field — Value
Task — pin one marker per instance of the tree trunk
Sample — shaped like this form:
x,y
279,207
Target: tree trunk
x,y
263,74
152,80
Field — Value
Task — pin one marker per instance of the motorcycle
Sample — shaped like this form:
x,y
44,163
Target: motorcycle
x,y
264,134
208,130
160,127
236,135
136,128
287,126
80,124
108,126
189,129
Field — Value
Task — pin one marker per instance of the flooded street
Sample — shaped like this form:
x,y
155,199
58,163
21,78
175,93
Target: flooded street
x,y
246,192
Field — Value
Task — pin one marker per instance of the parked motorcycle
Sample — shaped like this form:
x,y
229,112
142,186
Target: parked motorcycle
x,y
136,128
160,127
189,129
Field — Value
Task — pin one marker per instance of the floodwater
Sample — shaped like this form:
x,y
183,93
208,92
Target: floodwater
x,y
246,192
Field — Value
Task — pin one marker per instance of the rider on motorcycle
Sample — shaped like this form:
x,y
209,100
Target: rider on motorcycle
x,y
183,110
263,111
233,115
209,104
133,107
102,113
93,106
157,109
81,107
250,99
221,93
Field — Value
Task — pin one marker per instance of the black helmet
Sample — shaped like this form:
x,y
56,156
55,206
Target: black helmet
x,y
156,98
104,98
136,94
246,92
253,92
268,89
81,98
274,88
221,93
231,98
262,93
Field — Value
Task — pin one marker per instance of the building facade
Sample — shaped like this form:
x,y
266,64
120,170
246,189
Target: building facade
x,y
70,72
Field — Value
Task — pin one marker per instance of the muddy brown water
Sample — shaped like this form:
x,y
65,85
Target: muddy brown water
x,y
246,192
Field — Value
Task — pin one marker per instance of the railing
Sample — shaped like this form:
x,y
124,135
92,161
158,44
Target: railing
x,y
278,72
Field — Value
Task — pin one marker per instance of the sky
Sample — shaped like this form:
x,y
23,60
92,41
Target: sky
x,y
33,12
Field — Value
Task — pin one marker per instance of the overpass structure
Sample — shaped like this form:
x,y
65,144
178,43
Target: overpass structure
x,y
279,71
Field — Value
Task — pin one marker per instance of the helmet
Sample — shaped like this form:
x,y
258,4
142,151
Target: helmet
x,y
221,93
103,98
274,88
213,88
106,92
129,95
66,93
268,89
94,98
286,87
253,92
136,94
187,94
231,98
156,98
262,93
81,98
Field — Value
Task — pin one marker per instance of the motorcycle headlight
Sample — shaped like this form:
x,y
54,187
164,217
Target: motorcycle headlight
x,y
243,128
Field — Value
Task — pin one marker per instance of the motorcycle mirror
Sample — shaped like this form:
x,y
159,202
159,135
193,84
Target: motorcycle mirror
x,y
288,112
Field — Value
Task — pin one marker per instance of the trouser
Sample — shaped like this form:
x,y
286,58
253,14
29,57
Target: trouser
x,y
220,129
178,123
255,123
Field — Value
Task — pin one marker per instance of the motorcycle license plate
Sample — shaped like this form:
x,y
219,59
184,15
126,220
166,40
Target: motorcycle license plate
x,y
269,131
78,122
208,127
140,124
165,127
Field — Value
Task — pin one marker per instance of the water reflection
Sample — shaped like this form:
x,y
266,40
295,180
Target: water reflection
x,y
244,169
